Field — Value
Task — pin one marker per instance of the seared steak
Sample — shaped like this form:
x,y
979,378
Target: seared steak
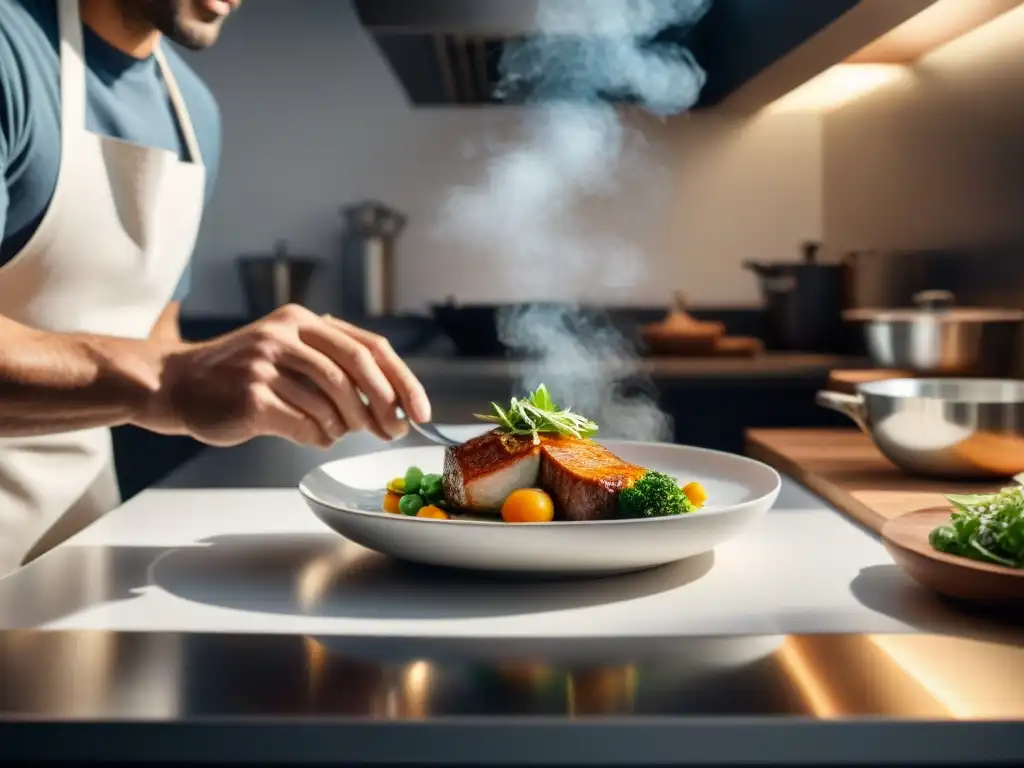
x,y
480,474
584,478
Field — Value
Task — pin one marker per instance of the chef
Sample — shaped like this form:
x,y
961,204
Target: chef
x,y
109,145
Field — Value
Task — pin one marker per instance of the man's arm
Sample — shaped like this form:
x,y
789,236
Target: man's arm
x,y
167,330
55,382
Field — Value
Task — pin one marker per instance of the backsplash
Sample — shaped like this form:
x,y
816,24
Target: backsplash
x,y
983,277
932,165
737,188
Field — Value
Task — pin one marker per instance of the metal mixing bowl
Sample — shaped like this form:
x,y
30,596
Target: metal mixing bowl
x,y
944,428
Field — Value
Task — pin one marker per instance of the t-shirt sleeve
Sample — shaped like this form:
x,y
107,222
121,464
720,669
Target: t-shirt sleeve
x,y
184,284
4,195
15,125
8,121
211,152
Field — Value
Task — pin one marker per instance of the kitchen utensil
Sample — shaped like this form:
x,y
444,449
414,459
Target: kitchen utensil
x,y
424,429
680,334
272,281
946,428
368,253
804,302
936,338
906,539
427,430
347,496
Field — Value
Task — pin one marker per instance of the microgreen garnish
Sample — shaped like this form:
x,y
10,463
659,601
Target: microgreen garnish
x,y
537,414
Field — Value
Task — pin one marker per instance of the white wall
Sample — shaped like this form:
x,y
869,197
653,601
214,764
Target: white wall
x,y
314,120
934,160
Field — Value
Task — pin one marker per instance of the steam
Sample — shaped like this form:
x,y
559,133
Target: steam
x,y
575,146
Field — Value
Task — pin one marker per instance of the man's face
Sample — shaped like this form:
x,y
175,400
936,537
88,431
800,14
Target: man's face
x,y
194,24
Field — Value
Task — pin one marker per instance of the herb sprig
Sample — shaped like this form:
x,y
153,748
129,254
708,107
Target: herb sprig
x,y
537,414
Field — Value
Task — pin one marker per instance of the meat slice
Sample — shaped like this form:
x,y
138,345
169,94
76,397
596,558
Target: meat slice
x,y
584,478
480,474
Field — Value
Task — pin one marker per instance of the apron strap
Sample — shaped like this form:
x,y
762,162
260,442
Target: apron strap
x,y
73,90
72,74
180,110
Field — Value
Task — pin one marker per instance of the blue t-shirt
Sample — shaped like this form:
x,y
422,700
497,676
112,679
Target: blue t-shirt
x,y
126,99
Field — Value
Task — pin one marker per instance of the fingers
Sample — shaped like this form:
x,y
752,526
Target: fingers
x,y
357,371
362,370
408,388
332,382
275,416
313,404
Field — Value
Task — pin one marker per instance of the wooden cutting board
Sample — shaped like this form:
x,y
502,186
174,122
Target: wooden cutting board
x,y
847,381
725,346
844,467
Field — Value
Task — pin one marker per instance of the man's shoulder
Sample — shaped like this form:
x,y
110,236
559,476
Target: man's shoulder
x,y
28,68
28,25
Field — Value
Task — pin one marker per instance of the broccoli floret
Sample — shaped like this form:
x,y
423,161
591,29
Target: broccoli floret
x,y
654,495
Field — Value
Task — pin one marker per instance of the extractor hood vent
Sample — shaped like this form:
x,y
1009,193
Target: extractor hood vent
x,y
449,52
445,70
459,69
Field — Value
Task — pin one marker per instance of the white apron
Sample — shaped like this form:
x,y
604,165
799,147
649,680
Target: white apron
x,y
106,258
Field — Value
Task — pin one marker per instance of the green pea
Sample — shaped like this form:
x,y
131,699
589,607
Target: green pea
x,y
410,504
413,479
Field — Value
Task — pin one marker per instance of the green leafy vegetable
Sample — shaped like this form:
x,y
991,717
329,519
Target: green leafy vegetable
x,y
988,528
654,495
537,414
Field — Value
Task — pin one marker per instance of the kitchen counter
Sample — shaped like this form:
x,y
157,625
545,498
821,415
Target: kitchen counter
x,y
214,622
79,697
227,560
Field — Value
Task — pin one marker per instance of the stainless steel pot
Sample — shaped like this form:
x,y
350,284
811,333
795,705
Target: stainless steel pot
x,y
938,339
272,281
945,428
803,302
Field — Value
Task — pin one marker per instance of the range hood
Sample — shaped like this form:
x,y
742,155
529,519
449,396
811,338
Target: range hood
x,y
447,52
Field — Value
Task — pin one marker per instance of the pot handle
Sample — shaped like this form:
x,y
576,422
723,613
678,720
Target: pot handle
x,y
934,301
851,406
758,269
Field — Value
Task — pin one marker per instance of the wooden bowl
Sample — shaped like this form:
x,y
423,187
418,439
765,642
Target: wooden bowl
x,y
906,539
697,340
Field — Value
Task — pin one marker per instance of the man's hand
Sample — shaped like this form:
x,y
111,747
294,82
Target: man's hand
x,y
292,374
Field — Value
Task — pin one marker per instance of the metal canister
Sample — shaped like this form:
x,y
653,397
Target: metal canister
x,y
368,251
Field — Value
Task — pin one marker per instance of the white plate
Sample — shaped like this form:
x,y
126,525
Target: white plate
x,y
347,495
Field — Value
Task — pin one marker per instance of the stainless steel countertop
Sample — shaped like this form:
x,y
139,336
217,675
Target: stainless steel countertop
x,y
178,626
297,700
